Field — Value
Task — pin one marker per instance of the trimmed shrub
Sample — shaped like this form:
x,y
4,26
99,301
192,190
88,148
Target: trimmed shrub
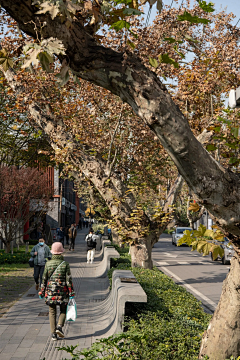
x,y
16,258
168,327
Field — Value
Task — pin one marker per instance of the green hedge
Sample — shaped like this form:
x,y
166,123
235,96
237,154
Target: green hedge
x,y
168,327
16,258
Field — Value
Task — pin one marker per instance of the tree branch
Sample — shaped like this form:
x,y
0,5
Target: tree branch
x,y
110,165
218,189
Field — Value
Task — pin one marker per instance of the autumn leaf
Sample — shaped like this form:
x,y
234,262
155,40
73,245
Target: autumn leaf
x,y
194,207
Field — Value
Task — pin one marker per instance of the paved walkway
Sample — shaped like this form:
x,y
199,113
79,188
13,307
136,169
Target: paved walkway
x,y
25,329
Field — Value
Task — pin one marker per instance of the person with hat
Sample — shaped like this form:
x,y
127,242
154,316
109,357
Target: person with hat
x,y
57,288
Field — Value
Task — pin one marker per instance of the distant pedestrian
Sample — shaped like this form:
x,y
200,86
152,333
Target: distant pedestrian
x,y
72,236
80,223
57,288
61,235
91,240
40,253
67,234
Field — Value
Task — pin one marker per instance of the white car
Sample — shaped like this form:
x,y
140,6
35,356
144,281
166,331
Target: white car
x,y
228,251
178,234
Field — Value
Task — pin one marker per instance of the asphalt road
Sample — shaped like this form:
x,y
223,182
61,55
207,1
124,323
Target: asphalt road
x,y
201,276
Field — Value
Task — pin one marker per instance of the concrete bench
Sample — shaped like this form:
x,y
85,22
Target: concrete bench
x,y
100,240
99,254
99,243
108,253
124,290
110,312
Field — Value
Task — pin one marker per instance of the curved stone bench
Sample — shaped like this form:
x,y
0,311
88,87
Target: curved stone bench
x,y
101,269
109,313
122,292
99,242
99,255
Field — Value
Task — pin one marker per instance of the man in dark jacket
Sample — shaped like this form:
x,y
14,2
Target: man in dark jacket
x,y
72,236
40,253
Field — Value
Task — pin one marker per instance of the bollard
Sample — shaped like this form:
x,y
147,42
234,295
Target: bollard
x,y
18,247
27,247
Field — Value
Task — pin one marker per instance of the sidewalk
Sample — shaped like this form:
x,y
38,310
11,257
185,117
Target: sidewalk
x,y
25,330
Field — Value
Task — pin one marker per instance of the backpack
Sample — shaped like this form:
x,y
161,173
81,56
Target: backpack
x,y
90,242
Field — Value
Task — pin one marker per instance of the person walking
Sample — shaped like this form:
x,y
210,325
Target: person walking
x,y
91,240
57,288
61,235
67,234
80,223
40,253
72,236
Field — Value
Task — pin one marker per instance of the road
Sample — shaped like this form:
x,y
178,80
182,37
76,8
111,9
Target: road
x,y
201,276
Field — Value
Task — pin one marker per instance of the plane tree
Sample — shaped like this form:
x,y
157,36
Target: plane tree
x,y
124,73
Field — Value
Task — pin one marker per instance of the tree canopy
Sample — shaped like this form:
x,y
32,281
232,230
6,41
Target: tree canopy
x,y
74,38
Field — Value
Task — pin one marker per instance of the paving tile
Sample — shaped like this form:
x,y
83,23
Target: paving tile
x,y
6,356
26,343
25,335
33,356
37,347
9,349
3,328
16,339
21,353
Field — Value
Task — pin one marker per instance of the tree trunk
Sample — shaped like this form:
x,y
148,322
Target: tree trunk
x,y
7,246
141,254
222,338
113,191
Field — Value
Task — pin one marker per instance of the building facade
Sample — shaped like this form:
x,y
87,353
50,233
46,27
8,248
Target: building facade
x,y
66,207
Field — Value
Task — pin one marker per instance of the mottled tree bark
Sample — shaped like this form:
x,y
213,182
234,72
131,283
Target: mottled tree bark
x,y
95,169
141,252
221,339
124,75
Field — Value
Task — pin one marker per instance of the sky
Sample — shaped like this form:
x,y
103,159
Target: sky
x,y
229,5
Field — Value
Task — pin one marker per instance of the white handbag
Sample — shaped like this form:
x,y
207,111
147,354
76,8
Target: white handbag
x,y
71,314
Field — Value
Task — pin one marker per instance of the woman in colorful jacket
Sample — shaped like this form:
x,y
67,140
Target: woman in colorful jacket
x,y
57,288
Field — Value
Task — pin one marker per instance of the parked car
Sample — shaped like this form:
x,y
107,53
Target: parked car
x,y
178,234
228,251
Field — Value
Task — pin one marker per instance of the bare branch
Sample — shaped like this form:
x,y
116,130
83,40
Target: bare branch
x,y
110,166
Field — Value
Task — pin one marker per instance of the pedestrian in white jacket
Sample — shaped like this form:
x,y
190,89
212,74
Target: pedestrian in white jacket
x,y
91,240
